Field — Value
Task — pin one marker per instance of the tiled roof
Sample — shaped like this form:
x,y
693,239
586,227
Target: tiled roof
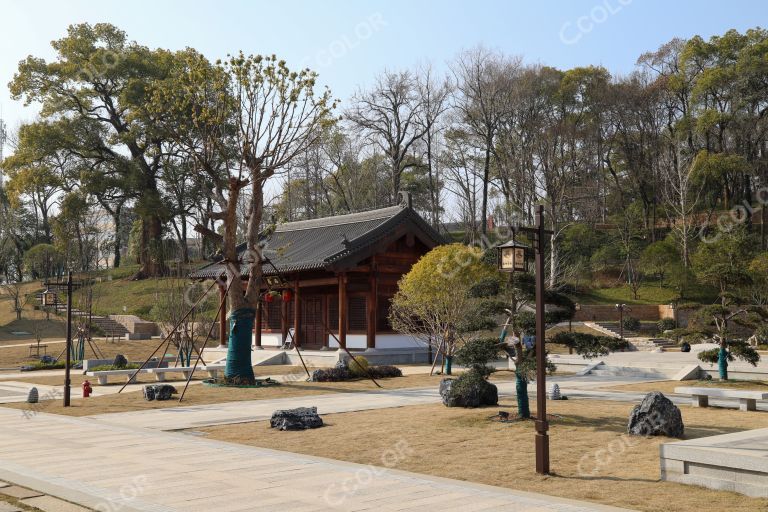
x,y
319,243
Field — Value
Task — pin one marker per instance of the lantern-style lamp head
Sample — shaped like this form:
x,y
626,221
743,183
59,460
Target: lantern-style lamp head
x,y
513,257
49,298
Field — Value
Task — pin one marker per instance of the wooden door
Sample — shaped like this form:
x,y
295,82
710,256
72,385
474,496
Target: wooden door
x,y
312,332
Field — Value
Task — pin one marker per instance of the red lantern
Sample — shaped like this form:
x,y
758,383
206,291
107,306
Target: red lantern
x,y
268,297
286,295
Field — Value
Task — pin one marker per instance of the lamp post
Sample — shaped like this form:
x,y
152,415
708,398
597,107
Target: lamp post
x,y
621,308
511,259
68,363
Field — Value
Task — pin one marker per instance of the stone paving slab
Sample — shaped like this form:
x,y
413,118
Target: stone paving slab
x,y
19,492
51,504
133,476
7,507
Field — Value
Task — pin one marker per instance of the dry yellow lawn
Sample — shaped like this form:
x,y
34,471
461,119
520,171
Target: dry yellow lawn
x,y
592,458
203,395
134,350
668,386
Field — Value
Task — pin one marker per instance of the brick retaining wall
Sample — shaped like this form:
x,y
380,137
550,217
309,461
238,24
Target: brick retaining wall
x,y
608,312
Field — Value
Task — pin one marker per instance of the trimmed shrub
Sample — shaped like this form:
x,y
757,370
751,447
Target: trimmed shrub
x,y
358,366
470,389
340,374
666,324
108,367
336,374
477,354
614,344
631,323
384,371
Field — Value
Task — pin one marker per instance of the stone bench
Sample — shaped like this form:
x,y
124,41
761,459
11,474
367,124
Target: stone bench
x,y
214,369
184,370
747,399
103,375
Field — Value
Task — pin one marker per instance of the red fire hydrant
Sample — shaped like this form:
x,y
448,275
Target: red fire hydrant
x,y
87,390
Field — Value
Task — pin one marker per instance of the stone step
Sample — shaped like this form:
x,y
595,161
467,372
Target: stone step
x,y
634,371
110,326
645,375
616,329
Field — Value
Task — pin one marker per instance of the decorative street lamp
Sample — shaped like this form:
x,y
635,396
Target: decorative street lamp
x,y
512,257
48,297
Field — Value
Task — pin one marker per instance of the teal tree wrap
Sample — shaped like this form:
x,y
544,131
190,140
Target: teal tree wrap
x,y
521,389
239,350
722,363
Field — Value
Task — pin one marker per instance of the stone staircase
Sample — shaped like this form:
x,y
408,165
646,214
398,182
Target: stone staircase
x,y
109,327
637,340
615,328
654,344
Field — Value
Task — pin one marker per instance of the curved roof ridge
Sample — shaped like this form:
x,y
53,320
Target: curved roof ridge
x,y
339,220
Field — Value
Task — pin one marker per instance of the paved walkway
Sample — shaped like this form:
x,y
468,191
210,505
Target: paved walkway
x,y
120,468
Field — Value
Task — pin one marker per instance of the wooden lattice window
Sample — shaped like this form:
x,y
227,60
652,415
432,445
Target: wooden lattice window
x,y
357,314
357,317
272,311
333,313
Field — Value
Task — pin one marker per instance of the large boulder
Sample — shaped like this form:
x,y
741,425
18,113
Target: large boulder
x,y
300,418
158,392
656,416
471,393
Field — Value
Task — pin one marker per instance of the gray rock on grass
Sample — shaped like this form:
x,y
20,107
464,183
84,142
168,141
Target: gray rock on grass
x,y
300,418
158,392
656,415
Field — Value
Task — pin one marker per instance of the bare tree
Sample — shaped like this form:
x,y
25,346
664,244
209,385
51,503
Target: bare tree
x,y
388,115
483,83
18,299
682,195
434,97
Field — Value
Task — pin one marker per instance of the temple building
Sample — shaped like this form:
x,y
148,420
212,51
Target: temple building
x,y
338,275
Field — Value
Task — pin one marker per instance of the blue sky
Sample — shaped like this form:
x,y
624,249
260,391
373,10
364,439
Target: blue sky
x,y
349,42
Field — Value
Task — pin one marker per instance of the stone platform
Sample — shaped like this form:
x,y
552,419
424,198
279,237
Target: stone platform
x,y
730,462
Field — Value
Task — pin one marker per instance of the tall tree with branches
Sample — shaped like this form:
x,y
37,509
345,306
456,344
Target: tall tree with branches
x,y
248,118
389,115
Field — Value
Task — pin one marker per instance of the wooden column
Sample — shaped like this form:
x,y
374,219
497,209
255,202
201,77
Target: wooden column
x,y
259,315
284,320
296,315
223,327
343,309
371,305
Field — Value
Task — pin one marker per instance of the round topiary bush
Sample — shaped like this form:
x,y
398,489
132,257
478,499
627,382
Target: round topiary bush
x,y
358,366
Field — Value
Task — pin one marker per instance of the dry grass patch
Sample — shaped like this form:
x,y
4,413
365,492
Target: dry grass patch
x,y
668,386
467,445
133,350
